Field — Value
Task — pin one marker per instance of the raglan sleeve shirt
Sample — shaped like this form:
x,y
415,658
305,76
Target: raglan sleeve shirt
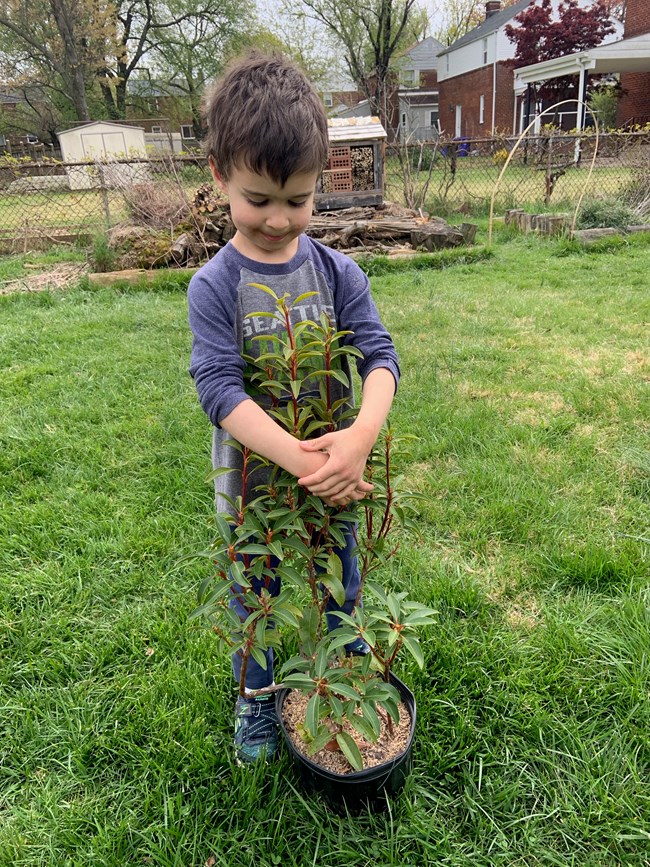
x,y
219,298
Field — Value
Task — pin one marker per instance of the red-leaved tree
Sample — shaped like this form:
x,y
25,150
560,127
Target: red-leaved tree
x,y
542,36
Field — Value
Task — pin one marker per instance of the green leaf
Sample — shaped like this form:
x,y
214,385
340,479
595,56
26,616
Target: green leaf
x,y
324,737
320,665
258,655
345,689
363,727
265,289
223,528
220,471
276,549
312,715
350,750
299,681
420,618
393,606
335,587
301,297
336,707
252,548
392,709
370,714
413,646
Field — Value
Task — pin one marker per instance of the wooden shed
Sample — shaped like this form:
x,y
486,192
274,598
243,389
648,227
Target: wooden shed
x,y
102,142
354,175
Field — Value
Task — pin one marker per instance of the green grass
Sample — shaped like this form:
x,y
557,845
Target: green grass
x,y
525,377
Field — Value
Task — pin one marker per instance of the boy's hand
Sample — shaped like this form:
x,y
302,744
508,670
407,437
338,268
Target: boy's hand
x,y
340,480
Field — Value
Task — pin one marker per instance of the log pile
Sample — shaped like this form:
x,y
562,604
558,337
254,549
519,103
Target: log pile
x,y
387,229
383,230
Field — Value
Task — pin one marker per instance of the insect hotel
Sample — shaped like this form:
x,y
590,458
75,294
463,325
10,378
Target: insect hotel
x,y
354,175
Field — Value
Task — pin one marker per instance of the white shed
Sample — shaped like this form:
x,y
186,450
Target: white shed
x,y
104,142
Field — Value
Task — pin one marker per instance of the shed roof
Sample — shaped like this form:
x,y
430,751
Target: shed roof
x,y
85,126
355,128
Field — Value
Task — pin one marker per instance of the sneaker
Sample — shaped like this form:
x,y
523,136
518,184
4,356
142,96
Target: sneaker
x,y
256,729
358,647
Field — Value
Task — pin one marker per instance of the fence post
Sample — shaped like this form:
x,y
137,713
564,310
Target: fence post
x,y
103,191
549,166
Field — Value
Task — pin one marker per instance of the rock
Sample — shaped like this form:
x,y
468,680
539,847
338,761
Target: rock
x,y
633,230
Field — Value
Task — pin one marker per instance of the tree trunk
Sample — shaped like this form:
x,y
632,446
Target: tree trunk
x,y
73,62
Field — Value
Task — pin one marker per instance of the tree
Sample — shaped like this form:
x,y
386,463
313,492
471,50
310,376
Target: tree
x,y
51,43
371,34
193,49
81,48
540,37
458,17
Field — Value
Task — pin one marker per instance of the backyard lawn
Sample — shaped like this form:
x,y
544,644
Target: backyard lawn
x,y
526,378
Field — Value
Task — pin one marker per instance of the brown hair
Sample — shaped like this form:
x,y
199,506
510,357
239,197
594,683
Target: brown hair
x,y
263,114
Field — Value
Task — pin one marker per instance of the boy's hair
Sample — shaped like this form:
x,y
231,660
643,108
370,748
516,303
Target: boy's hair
x,y
263,114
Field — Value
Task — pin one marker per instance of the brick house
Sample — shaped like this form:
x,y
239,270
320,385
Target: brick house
x,y
478,96
634,105
628,56
475,85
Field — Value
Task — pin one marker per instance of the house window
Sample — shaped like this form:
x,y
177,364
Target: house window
x,y
481,109
187,130
404,129
410,78
433,117
328,100
156,129
446,63
485,51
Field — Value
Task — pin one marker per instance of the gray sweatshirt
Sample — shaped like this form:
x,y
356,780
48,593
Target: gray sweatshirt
x,y
220,306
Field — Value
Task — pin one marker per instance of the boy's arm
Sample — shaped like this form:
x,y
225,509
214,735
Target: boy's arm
x,y
252,427
339,479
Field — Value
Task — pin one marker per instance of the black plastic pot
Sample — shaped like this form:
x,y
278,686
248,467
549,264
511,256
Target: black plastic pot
x,y
361,789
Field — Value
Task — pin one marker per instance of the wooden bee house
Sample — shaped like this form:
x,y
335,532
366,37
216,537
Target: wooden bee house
x,y
354,175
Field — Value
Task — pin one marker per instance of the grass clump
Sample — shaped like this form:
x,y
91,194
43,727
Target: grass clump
x,y
604,213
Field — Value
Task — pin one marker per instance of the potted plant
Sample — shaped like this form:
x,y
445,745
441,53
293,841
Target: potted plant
x,y
348,720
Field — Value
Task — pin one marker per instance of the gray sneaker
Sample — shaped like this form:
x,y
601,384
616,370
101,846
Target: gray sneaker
x,y
256,729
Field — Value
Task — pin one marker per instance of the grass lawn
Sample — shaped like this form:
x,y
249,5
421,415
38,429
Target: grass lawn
x,y
526,378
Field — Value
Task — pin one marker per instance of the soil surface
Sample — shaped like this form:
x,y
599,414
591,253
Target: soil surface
x,y
59,277
387,746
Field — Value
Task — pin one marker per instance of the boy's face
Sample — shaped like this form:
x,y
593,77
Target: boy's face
x,y
269,218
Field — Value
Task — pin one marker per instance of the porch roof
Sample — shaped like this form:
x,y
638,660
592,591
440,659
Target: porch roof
x,y
626,55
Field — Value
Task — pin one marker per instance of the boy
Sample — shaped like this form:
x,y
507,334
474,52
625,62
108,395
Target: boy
x,y
267,144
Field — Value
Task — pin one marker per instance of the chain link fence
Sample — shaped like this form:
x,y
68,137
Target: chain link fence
x,y
48,201
545,171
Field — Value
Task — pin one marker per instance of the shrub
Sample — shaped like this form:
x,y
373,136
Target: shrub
x,y
601,213
103,258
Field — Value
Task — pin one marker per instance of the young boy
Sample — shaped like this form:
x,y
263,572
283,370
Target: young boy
x,y
267,144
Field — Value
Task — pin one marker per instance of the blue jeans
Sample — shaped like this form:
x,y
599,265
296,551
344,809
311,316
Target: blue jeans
x,y
256,676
